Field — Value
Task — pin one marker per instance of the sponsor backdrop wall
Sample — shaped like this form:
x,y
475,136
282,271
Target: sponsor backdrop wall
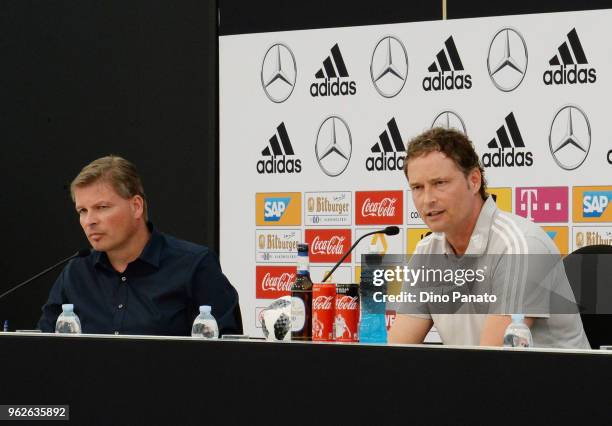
x,y
316,121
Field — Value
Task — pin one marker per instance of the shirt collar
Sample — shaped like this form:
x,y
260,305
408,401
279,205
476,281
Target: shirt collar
x,y
150,254
480,234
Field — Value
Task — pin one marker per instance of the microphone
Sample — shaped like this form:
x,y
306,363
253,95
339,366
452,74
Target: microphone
x,y
80,253
389,230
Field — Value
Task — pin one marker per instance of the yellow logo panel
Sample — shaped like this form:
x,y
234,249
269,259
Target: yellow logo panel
x,y
414,236
560,236
502,197
278,209
380,242
592,203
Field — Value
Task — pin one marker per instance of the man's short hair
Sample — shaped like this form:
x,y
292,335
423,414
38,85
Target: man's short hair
x,y
116,171
452,143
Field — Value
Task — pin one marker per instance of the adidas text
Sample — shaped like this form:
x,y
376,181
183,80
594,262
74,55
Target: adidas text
x,y
279,164
385,162
570,75
507,158
333,87
444,81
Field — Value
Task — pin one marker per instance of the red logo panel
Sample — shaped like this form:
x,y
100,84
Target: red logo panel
x,y
328,245
273,281
379,207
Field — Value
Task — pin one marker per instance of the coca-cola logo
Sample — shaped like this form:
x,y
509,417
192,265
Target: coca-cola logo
x,y
346,303
323,303
328,245
279,283
331,246
379,207
382,208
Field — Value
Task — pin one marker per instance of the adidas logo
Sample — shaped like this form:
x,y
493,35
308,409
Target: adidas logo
x,y
388,149
445,78
569,60
334,74
277,154
509,148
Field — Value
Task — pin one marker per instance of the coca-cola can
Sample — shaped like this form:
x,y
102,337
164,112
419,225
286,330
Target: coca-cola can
x,y
346,321
323,304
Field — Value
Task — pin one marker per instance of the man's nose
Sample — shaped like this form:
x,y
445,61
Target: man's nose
x,y
429,196
90,219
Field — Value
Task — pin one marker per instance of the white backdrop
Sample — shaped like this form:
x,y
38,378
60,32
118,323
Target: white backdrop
x,y
264,215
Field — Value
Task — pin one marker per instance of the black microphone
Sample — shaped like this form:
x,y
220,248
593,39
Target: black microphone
x,y
80,253
389,230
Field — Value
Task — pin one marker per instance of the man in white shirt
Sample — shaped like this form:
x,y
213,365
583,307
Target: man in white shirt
x,y
449,192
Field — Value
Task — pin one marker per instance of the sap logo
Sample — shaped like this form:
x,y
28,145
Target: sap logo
x,y
274,208
594,203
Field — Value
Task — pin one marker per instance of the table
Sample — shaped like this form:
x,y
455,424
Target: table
x,y
134,380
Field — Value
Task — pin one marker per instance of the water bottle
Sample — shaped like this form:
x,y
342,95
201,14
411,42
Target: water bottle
x,y
68,322
205,325
517,334
372,325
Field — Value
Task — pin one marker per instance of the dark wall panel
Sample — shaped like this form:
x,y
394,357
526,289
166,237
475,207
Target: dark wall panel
x,y
82,79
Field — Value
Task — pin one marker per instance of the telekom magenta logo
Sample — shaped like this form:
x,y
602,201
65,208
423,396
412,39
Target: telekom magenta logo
x,y
543,204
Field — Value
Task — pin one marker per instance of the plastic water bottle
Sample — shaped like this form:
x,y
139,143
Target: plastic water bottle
x,y
517,334
372,325
68,322
205,325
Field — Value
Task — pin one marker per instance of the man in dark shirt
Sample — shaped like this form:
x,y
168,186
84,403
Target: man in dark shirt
x,y
136,280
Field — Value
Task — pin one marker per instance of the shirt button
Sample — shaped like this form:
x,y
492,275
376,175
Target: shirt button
x,y
116,332
124,279
120,306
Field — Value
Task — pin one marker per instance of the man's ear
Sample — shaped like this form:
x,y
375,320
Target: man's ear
x,y
475,179
138,206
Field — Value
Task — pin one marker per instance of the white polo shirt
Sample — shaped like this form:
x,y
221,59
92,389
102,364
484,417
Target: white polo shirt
x,y
501,233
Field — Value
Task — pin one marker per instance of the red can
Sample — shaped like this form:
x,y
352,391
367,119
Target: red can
x,y
346,322
323,303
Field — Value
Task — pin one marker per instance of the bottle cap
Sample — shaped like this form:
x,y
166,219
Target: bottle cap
x,y
67,307
517,317
205,309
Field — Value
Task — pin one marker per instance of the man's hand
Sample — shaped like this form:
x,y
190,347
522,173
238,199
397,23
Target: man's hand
x,y
494,327
409,329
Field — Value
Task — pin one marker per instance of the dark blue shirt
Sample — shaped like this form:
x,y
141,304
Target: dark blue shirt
x,y
158,293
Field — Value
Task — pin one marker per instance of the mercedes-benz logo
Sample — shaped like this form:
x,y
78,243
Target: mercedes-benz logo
x,y
507,59
569,138
333,146
389,66
278,72
449,120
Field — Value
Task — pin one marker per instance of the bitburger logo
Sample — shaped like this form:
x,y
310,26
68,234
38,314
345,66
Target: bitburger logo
x,y
276,154
569,64
447,75
386,150
508,146
333,77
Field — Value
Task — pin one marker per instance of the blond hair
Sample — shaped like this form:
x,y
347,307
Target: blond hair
x,y
115,170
